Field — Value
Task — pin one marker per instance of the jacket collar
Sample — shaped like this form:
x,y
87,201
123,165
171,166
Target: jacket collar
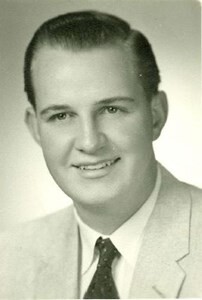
x,y
166,243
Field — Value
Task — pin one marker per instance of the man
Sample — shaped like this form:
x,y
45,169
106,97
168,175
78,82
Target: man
x,y
134,230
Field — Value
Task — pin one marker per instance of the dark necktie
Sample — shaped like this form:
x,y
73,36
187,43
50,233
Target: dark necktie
x,y
102,285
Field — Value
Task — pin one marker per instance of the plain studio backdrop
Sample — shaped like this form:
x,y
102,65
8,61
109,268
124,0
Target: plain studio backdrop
x,y
27,190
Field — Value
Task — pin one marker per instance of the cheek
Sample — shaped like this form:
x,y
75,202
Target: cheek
x,y
56,147
132,135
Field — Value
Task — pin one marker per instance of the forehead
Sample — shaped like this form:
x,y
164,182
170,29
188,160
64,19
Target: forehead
x,y
89,73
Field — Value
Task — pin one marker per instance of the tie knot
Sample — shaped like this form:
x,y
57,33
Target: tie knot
x,y
107,251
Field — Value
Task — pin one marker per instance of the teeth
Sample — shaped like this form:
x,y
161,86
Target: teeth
x,y
98,166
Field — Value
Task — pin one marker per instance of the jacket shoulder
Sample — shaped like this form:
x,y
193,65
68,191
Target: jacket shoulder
x,y
170,182
26,248
37,227
195,194
196,212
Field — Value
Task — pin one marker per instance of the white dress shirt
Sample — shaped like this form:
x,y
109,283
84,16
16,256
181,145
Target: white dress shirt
x,y
127,239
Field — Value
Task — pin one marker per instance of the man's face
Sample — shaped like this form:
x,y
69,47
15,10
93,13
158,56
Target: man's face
x,y
93,123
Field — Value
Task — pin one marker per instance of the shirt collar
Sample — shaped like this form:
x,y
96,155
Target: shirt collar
x,y
88,240
126,237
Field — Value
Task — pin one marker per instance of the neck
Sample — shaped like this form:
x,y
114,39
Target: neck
x,y
107,217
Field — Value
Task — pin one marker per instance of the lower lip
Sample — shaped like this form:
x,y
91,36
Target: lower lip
x,y
93,174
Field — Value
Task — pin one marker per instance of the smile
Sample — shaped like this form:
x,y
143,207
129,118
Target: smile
x,y
98,166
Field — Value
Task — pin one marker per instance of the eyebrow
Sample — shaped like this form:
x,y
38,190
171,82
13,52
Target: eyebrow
x,y
115,99
108,101
53,108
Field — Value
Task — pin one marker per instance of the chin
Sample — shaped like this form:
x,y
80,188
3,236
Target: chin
x,y
94,192
94,197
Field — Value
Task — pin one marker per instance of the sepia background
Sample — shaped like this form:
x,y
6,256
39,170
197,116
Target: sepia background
x,y
27,190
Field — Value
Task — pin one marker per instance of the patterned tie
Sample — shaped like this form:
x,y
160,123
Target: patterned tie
x,y
102,285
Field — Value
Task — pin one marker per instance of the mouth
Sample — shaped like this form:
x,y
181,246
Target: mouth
x,y
97,166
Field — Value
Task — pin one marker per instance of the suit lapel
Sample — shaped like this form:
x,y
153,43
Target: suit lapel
x,y
158,273
58,264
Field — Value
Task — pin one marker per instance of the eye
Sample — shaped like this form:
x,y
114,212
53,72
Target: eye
x,y
111,109
61,116
58,117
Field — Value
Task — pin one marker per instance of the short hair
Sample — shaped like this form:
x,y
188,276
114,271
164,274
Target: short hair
x,y
91,29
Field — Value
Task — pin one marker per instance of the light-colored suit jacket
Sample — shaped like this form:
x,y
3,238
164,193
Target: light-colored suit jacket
x,y
41,260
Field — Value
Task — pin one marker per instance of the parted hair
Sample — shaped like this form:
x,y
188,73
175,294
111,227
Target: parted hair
x,y
81,30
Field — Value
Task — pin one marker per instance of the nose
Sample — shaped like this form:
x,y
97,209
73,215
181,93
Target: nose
x,y
90,138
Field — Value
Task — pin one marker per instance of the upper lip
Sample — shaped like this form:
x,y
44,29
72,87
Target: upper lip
x,y
85,164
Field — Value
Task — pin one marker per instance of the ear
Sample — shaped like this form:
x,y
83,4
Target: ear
x,y
159,107
32,123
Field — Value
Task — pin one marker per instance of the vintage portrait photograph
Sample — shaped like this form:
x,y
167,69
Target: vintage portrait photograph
x,y
101,149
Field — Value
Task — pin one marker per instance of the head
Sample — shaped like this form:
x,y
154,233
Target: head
x,y
92,82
